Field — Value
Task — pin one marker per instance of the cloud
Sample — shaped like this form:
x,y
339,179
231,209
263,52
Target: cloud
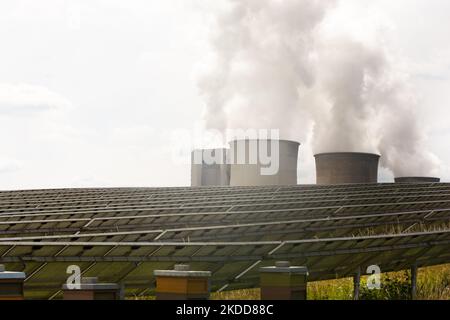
x,y
7,166
24,99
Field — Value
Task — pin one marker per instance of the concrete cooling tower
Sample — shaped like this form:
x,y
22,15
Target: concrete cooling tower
x,y
205,171
249,162
346,168
417,180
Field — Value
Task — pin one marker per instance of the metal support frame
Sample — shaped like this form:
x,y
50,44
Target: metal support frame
x,y
414,270
356,284
251,267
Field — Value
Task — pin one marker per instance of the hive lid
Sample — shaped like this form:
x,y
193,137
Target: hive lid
x,y
91,283
285,267
10,274
182,270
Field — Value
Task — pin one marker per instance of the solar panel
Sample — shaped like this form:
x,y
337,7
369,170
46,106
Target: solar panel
x,y
46,261
299,229
159,198
122,235
362,216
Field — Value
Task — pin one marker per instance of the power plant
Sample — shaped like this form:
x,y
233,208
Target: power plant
x,y
248,162
346,168
417,180
263,162
209,168
266,162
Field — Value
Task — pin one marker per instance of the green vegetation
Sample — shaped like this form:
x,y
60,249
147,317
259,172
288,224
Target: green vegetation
x,y
245,294
394,287
339,289
434,283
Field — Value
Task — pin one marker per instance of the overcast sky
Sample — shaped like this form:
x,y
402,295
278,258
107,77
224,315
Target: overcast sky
x,y
92,91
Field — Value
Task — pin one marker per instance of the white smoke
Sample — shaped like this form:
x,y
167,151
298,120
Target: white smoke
x,y
367,107
263,55
274,69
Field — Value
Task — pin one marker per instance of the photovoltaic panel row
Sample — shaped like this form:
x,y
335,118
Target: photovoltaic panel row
x,y
233,264
175,199
174,202
71,223
41,193
201,207
274,230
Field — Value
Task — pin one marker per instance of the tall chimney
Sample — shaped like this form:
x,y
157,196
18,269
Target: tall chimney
x,y
346,168
249,162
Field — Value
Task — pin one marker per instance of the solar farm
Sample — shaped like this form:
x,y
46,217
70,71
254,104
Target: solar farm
x,y
123,235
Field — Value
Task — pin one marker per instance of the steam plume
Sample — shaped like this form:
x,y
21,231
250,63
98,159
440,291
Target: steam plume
x,y
274,69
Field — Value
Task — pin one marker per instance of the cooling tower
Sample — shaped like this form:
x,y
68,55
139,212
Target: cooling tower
x,y
263,162
209,168
346,168
417,180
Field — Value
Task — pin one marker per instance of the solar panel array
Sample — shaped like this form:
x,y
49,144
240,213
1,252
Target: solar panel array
x,y
122,235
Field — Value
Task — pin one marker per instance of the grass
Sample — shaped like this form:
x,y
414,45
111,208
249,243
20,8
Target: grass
x,y
402,229
339,289
433,283
244,294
